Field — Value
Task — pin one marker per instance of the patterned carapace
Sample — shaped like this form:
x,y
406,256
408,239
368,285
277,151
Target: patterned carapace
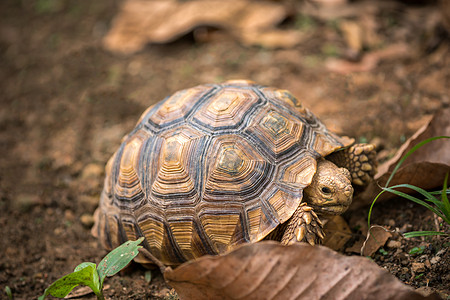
x,y
209,168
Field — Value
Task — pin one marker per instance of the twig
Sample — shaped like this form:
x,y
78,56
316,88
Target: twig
x,y
156,261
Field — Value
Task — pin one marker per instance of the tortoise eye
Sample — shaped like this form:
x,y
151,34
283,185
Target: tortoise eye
x,y
326,190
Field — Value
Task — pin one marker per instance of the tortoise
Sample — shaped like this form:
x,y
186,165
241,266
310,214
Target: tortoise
x,y
218,165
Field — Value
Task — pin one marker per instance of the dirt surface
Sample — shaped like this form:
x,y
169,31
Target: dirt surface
x,y
66,103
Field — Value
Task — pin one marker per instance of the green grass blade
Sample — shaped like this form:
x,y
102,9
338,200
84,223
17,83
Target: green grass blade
x,y
422,233
371,207
414,199
427,195
411,151
440,192
118,259
445,201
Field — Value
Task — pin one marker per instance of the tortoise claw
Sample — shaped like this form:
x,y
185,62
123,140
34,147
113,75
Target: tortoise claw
x,y
304,226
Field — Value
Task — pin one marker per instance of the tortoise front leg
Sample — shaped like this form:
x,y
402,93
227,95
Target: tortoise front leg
x,y
359,159
303,226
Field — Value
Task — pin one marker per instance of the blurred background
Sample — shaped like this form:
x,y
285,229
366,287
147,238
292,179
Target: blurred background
x,y
76,75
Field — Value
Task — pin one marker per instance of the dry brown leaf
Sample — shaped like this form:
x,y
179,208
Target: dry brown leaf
x,y
160,21
434,152
268,270
376,239
356,247
425,168
337,233
271,39
369,61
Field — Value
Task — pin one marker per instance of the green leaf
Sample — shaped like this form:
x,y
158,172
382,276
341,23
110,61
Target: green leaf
x,y
422,233
118,258
86,275
383,252
84,265
416,250
95,279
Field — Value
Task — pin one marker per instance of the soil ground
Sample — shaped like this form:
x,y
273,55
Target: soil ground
x,y
66,103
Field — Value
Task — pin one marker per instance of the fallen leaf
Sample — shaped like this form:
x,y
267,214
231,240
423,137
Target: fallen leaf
x,y
425,168
376,239
435,152
271,39
160,21
369,61
337,233
268,270
356,247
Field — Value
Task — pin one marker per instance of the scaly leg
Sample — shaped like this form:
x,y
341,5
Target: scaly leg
x,y
359,159
303,226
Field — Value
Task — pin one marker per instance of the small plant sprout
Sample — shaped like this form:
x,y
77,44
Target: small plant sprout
x,y
417,250
89,274
441,207
8,292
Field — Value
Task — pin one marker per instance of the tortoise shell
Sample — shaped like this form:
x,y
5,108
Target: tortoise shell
x,y
209,168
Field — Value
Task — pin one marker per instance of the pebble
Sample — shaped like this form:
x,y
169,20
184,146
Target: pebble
x,y
68,215
87,220
418,267
394,244
391,223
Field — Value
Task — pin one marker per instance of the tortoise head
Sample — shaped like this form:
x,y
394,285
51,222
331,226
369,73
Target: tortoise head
x,y
331,191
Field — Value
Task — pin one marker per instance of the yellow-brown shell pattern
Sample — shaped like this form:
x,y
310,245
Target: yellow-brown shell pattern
x,y
209,168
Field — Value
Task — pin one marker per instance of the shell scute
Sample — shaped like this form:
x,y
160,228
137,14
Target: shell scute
x,y
220,227
237,171
177,167
176,108
277,132
227,109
